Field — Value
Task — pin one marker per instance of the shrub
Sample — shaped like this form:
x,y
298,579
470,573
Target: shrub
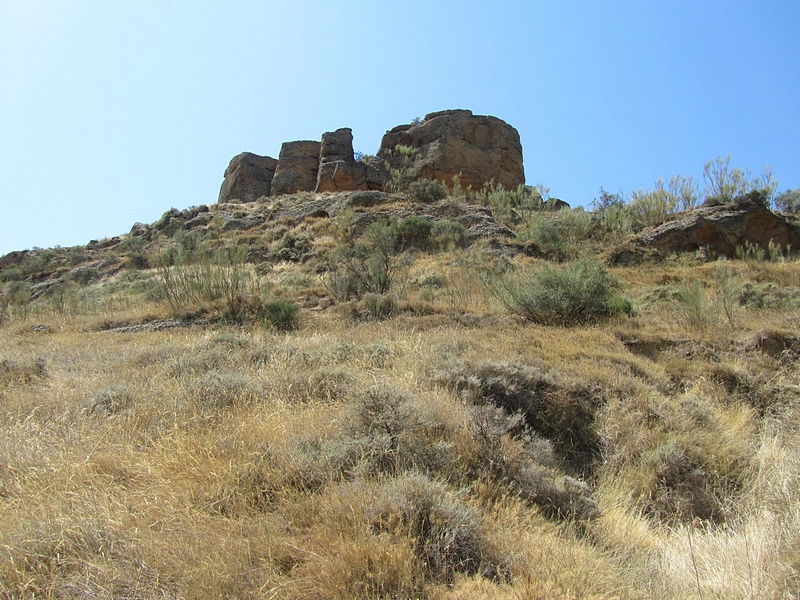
x,y
369,266
292,247
582,292
788,201
283,315
400,162
448,534
448,235
561,413
379,306
414,232
726,184
222,389
110,401
546,234
694,306
426,190
23,372
214,278
652,207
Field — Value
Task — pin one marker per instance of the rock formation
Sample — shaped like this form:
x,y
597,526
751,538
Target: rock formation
x,y
453,143
248,178
445,144
298,164
337,165
719,230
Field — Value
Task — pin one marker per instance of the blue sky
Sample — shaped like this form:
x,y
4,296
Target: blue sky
x,y
112,112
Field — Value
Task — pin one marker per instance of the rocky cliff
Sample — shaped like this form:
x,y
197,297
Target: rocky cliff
x,y
444,145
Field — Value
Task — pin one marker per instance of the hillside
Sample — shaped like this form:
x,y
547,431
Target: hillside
x,y
430,391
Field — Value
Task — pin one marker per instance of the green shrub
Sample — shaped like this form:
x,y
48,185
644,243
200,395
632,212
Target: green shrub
x,y
426,190
400,162
221,277
726,184
283,315
695,307
371,265
546,234
292,247
448,235
379,306
583,292
788,201
414,232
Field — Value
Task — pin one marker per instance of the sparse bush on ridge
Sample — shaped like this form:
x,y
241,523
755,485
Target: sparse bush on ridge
x,y
581,293
788,201
425,190
726,184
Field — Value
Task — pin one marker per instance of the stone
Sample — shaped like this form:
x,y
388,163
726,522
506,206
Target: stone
x,y
556,204
297,169
140,229
247,178
719,230
337,146
338,170
450,143
341,176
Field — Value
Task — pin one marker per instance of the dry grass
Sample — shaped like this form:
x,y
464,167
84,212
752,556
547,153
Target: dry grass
x,y
449,451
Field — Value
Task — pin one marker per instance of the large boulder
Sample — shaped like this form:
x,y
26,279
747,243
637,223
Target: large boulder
x,y
452,143
298,166
338,170
247,178
719,230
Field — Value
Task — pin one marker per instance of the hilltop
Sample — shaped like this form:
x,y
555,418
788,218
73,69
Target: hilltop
x,y
398,378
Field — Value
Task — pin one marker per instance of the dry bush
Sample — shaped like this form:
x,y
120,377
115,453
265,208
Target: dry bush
x,y
447,534
110,401
13,371
558,411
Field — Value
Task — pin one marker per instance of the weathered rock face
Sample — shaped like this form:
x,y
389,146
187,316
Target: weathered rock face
x,y
247,178
298,166
338,170
337,146
719,230
446,144
456,142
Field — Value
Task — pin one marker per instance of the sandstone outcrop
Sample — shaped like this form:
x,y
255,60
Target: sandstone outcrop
x,y
297,169
719,230
247,178
338,170
453,143
445,144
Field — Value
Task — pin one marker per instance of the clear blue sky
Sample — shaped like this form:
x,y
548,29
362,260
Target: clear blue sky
x,y
112,112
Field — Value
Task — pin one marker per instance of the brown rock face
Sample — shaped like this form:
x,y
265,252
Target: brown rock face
x,y
456,142
338,170
298,166
247,178
721,229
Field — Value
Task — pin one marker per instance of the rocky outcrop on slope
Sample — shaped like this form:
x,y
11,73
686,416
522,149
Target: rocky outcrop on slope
x,y
248,178
446,144
715,231
452,143
297,168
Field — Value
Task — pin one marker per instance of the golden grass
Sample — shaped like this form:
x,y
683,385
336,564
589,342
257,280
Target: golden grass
x,y
223,461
